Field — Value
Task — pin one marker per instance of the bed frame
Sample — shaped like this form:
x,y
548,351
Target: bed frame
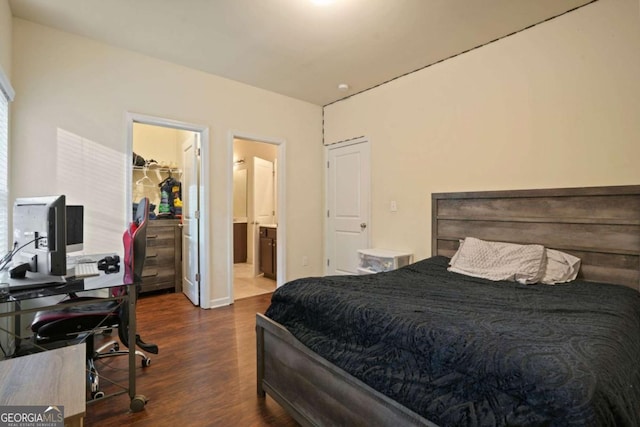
x,y
600,225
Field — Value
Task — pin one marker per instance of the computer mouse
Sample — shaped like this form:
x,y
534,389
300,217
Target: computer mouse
x,y
19,271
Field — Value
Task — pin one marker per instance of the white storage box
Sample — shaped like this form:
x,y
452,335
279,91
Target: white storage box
x,y
378,260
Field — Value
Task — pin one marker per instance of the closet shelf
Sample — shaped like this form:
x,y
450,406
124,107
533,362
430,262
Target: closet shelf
x,y
160,169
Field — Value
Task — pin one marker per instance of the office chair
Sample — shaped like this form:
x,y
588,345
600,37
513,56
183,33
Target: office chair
x,y
78,323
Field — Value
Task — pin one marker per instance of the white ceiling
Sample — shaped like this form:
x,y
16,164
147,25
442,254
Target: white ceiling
x,y
296,47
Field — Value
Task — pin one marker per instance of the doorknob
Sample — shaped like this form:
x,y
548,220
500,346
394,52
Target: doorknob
x,y
363,225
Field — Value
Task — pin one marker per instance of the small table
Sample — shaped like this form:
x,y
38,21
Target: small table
x,y
55,377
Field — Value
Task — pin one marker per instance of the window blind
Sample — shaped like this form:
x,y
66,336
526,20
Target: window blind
x,y
6,95
4,182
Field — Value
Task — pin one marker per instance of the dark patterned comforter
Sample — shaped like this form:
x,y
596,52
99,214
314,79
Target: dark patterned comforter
x,y
465,351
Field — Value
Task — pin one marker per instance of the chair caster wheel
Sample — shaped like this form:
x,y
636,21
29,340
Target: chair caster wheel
x,y
146,362
137,403
97,395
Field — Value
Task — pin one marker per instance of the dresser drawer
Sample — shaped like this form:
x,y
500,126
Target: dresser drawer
x,y
158,277
155,283
161,236
157,273
159,255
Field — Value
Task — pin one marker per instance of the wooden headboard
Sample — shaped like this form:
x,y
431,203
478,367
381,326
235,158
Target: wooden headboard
x,y
600,225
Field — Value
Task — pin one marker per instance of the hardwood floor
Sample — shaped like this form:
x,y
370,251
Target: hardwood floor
x,y
204,375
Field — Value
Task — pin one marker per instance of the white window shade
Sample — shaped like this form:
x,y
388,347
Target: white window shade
x,y
6,95
4,183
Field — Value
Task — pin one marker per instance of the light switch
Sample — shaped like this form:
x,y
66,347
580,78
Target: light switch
x,y
394,206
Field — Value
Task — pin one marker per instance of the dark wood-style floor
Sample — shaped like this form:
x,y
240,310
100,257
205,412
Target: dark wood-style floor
x,y
204,375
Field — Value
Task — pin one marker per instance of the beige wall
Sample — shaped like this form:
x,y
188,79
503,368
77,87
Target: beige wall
x,y
244,149
557,105
80,89
162,144
5,37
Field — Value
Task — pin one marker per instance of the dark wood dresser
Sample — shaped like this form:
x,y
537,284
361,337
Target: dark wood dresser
x,y
163,263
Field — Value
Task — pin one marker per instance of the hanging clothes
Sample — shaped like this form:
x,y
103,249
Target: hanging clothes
x,y
176,191
170,198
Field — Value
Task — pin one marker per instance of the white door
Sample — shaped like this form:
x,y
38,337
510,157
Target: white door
x,y
263,203
190,221
348,188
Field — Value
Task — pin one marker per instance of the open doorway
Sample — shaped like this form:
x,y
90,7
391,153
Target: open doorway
x,y
257,233
166,166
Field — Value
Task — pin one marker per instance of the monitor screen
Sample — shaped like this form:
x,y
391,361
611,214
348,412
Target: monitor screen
x,y
75,231
39,234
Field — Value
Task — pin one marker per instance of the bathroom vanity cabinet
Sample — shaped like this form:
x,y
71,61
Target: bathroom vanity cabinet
x,y
268,246
239,242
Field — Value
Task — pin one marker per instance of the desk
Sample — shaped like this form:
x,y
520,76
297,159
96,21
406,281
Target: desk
x,y
49,378
103,281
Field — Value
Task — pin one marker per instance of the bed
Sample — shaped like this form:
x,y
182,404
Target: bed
x,y
550,378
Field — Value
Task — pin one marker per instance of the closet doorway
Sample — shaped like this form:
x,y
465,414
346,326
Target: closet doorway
x,y
257,217
166,166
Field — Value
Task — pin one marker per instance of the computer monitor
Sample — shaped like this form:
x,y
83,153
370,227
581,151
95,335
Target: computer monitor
x,y
75,230
39,234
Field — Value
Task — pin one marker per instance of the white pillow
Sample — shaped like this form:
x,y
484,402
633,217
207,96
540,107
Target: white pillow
x,y
561,267
499,261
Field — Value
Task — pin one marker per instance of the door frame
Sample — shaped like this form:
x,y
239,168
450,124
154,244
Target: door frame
x,y
204,228
328,148
281,262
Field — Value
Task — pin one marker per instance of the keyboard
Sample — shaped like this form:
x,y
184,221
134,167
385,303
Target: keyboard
x,y
86,269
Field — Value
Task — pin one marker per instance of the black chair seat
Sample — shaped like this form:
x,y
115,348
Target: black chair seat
x,y
49,325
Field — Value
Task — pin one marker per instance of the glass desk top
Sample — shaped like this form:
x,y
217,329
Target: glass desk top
x,y
61,286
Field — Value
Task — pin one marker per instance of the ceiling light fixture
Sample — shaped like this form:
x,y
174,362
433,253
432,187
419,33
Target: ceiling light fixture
x,y
343,87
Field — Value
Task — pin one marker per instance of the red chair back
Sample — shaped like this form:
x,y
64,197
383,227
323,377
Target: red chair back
x,y
134,241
